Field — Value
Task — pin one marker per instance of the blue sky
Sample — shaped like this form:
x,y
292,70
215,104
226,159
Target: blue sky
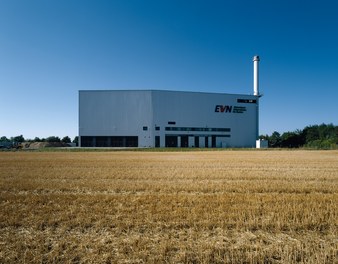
x,y
51,49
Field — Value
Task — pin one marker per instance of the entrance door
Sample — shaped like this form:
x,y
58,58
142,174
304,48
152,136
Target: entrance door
x,y
213,141
206,142
197,142
157,141
171,141
184,141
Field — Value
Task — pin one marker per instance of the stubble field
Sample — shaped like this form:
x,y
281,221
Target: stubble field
x,y
169,207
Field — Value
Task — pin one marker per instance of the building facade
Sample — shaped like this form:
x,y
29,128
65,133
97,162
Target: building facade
x,y
154,118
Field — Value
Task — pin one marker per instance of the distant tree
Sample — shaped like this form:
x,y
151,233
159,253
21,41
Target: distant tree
x,y
53,139
264,137
76,140
18,139
292,139
321,137
327,131
275,140
322,144
36,139
66,139
311,133
324,136
323,132
4,139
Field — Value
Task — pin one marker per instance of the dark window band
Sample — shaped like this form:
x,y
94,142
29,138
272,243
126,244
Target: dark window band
x,y
247,101
199,129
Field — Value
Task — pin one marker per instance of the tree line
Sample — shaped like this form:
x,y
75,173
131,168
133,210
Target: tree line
x,y
324,136
21,139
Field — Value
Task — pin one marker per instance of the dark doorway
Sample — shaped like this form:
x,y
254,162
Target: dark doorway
x,y
157,141
213,141
197,142
115,141
171,141
131,141
184,141
206,142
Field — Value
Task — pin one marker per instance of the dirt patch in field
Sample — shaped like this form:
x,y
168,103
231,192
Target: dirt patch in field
x,y
38,145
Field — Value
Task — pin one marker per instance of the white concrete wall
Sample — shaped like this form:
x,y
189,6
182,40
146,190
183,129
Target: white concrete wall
x,y
116,113
124,113
202,142
262,143
222,142
189,109
191,142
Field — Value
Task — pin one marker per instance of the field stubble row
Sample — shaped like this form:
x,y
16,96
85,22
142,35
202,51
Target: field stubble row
x,y
190,207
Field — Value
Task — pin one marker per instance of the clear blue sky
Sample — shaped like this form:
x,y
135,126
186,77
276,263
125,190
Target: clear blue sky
x,y
51,49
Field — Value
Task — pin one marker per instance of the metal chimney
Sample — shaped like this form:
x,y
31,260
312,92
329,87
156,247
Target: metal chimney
x,y
256,88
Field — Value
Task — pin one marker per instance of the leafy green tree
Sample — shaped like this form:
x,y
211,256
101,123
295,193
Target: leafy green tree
x,y
292,139
311,133
53,139
76,140
264,137
4,139
326,131
322,136
322,144
275,140
66,139
18,139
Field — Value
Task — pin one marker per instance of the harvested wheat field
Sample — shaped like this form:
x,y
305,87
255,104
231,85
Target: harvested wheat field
x,y
169,207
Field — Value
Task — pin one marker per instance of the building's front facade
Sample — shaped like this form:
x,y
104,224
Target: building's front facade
x,y
153,118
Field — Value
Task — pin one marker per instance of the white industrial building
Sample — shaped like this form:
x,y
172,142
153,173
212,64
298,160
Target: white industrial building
x,y
155,118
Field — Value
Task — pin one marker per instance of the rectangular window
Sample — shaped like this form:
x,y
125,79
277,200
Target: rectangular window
x,y
198,129
171,123
114,141
157,128
145,128
247,101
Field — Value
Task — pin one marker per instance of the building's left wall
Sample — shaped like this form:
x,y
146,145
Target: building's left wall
x,y
115,118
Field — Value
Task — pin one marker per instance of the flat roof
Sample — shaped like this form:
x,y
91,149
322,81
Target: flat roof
x,y
164,91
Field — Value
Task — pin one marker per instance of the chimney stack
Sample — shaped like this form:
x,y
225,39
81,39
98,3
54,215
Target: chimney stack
x,y
256,86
